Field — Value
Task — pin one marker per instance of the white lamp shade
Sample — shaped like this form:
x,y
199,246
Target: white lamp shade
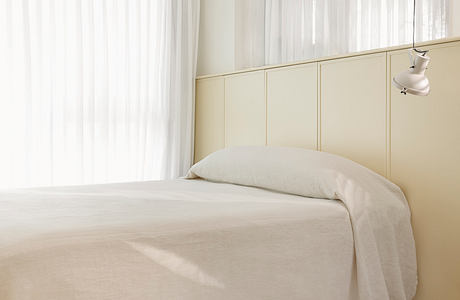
x,y
414,81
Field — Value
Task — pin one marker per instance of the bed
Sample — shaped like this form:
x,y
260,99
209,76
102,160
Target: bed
x,y
204,239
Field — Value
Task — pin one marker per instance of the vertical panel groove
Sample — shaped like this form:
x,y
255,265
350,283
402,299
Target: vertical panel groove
x,y
388,113
225,113
266,108
318,107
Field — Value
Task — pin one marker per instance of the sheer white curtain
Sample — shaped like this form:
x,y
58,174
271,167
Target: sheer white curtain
x,y
302,29
95,91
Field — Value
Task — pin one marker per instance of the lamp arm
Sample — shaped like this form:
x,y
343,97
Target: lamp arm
x,y
423,52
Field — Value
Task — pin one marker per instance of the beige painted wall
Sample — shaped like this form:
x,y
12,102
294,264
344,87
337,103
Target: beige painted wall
x,y
216,45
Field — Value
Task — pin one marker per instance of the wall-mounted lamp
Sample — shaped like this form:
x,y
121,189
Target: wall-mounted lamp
x,y
414,81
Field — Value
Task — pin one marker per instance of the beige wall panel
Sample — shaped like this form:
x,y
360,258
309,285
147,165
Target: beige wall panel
x,y
209,116
425,162
353,109
292,106
245,109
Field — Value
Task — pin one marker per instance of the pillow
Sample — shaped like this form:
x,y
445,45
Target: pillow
x,y
289,170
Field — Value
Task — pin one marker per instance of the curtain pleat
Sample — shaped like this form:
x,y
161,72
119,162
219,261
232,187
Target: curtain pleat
x,y
96,91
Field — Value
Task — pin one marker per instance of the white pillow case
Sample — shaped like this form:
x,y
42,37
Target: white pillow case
x,y
289,170
380,217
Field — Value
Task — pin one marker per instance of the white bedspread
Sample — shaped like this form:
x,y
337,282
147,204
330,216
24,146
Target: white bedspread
x,y
182,239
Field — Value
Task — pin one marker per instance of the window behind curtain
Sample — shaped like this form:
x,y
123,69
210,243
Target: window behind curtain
x,y
95,91
303,29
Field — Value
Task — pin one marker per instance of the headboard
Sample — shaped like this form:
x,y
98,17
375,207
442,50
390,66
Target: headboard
x,y
346,105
